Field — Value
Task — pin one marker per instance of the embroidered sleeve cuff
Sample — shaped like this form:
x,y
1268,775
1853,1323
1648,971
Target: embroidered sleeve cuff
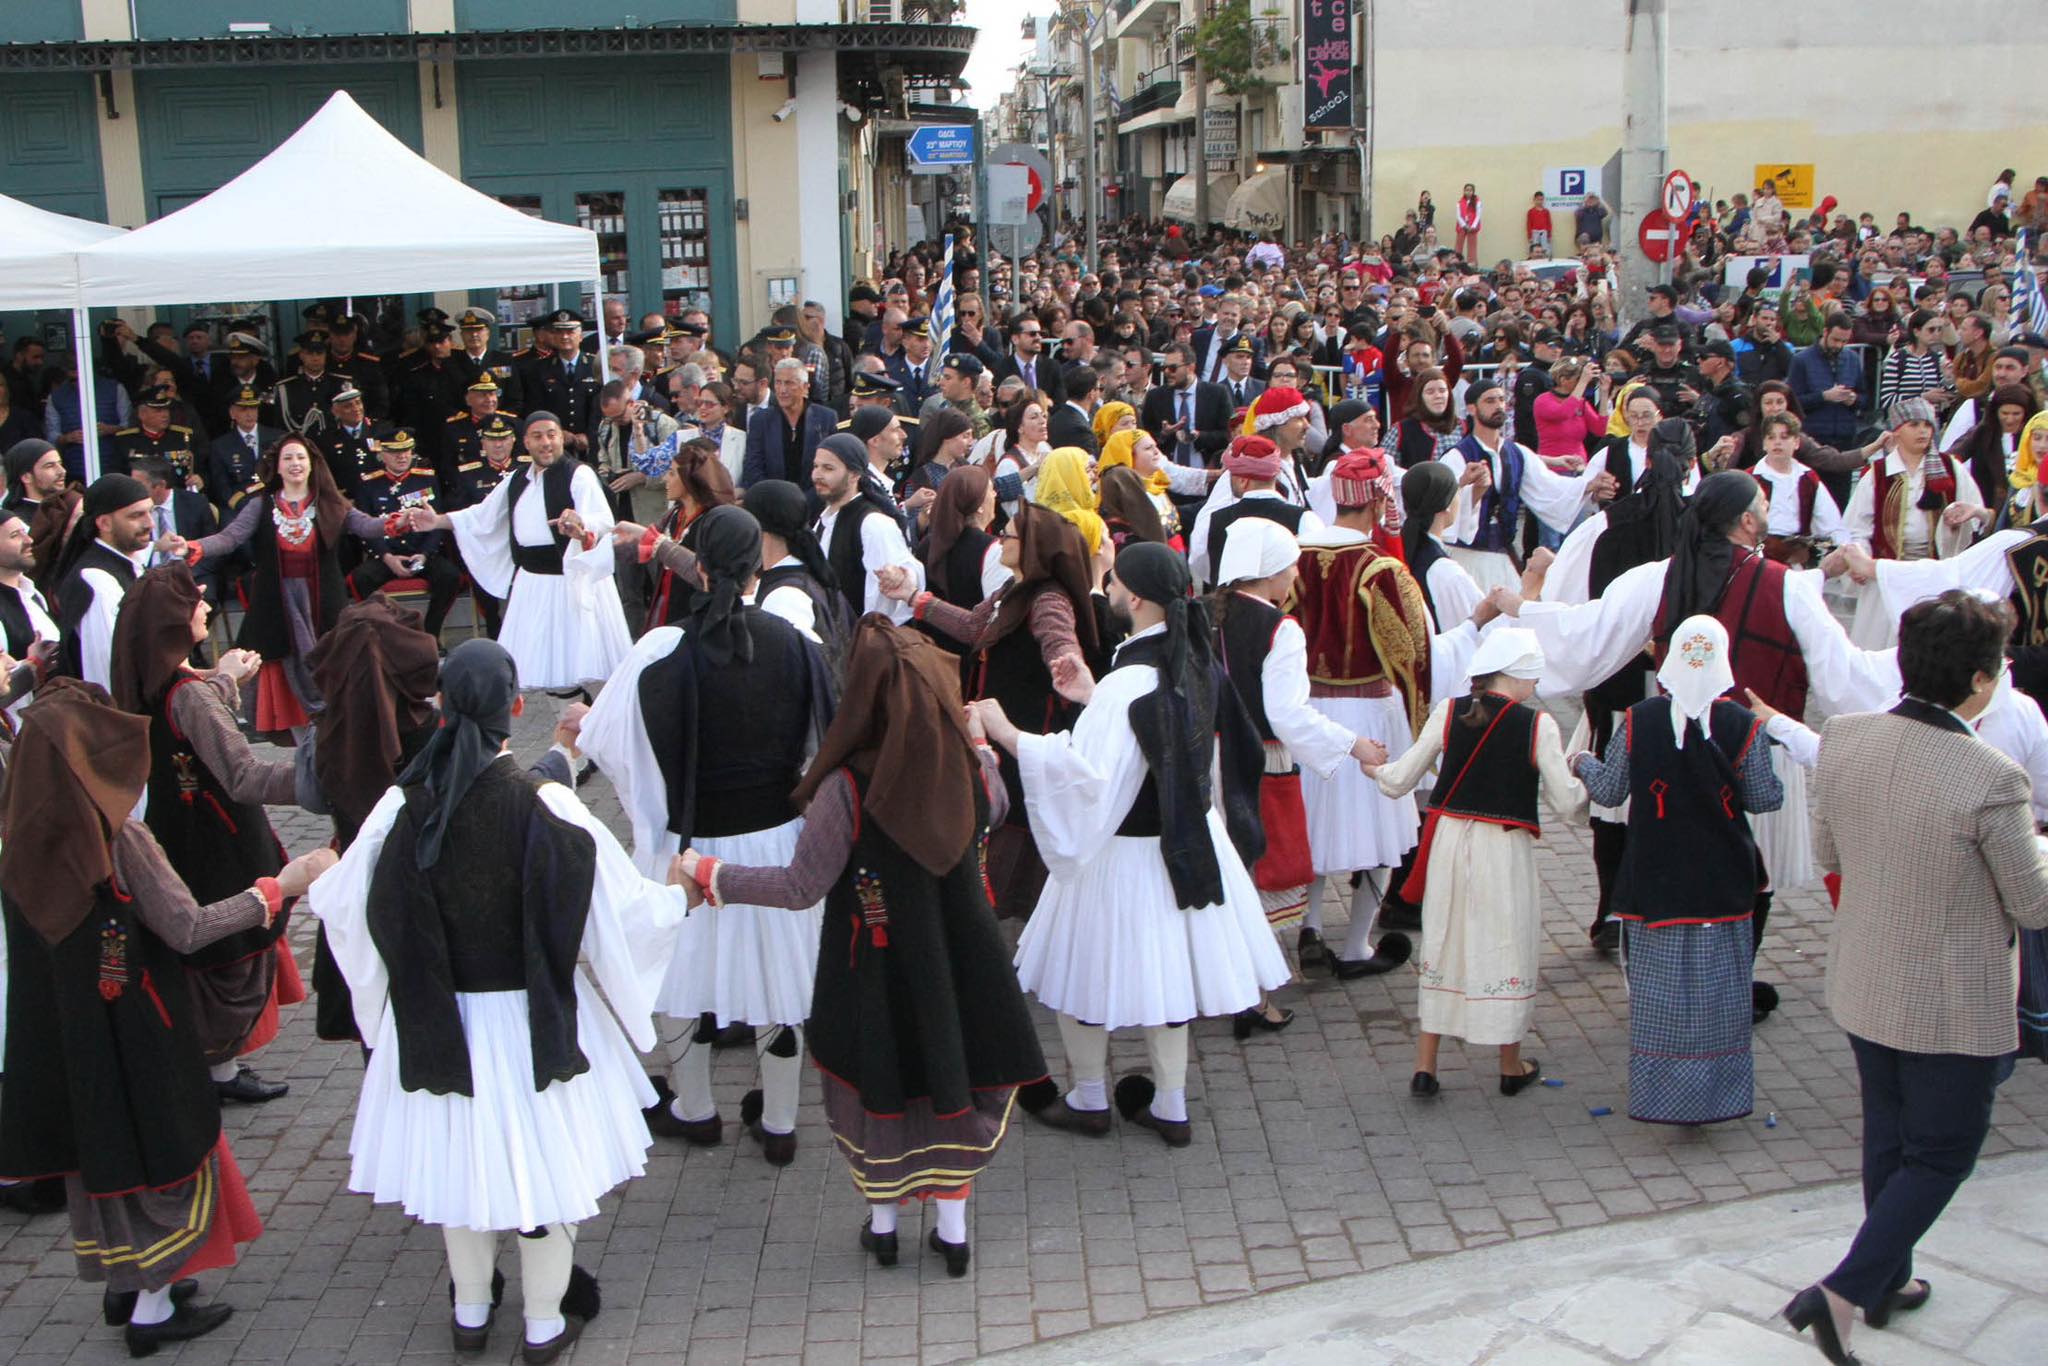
x,y
918,604
194,554
648,542
273,896
707,878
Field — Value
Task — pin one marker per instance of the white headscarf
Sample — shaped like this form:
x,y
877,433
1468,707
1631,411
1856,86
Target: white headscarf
x,y
1695,671
1513,651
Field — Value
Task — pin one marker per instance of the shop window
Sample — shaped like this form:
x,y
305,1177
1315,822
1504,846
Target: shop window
x,y
685,227
604,213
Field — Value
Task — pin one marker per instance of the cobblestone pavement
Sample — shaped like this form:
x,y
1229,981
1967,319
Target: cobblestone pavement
x,y
1310,1162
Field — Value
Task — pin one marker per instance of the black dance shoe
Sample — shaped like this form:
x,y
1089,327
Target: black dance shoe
x,y
882,1245
44,1195
471,1340
1607,938
1763,999
1424,1084
185,1323
250,1089
779,1149
1398,913
1133,1098
662,1121
1809,1309
1060,1115
1532,1072
1903,1301
1246,1021
956,1254
581,1300
1311,951
540,1353
1391,952
117,1305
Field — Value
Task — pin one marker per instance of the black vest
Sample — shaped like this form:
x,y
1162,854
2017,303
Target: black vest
x,y
556,495
75,597
1498,760
265,628
1278,510
830,616
1427,554
730,739
218,845
1690,858
1012,671
105,1076
14,620
961,583
1244,639
844,553
502,909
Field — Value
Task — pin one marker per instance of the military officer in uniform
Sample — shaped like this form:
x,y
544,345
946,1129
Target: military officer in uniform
x,y
873,389
153,434
474,480
908,367
464,436
476,357
301,400
351,442
357,368
399,362
395,486
233,457
433,393
248,367
565,382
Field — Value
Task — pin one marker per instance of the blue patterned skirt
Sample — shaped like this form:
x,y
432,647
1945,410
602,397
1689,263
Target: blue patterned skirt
x,y
1688,1022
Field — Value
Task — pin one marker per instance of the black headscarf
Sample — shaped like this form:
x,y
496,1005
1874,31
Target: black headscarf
x,y
784,510
479,683
1426,490
728,557
1642,526
21,458
1350,410
1701,557
108,493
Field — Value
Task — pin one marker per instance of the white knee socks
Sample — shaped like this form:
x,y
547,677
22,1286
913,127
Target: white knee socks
x,y
472,1254
225,1071
1169,1050
781,1077
882,1216
690,1077
1365,913
952,1214
1087,1062
544,1277
1312,914
151,1306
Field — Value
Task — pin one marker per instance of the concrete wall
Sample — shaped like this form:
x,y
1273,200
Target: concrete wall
x,y
1897,106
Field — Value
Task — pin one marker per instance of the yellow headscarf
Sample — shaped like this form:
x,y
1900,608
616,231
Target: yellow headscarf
x,y
1122,449
1063,487
1108,415
2026,471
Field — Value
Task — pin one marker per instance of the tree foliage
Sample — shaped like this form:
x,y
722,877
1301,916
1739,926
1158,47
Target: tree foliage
x,y
1233,48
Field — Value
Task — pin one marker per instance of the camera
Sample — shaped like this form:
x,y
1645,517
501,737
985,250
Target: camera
x,y
782,115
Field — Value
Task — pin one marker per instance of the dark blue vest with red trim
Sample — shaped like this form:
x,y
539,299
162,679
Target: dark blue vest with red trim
x,y
1691,858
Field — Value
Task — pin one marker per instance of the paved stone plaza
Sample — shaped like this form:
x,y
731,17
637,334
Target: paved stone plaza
x,y
1310,1163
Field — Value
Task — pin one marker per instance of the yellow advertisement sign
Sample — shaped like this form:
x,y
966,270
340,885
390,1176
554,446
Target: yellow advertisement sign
x,y
1794,181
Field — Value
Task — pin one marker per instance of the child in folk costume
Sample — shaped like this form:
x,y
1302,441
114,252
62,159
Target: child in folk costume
x,y
919,1025
1691,764
502,1092
1265,656
1913,503
1481,918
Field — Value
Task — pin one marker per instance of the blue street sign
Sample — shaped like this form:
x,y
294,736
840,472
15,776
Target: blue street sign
x,y
948,145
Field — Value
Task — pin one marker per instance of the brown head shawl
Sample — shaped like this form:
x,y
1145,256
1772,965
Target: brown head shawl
x,y
152,636
78,768
900,728
379,671
1051,555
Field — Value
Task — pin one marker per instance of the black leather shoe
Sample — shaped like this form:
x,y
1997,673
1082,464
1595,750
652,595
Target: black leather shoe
x,y
471,1339
779,1149
1133,1098
1311,951
1809,1309
44,1195
662,1121
250,1089
882,1245
117,1305
1532,1072
185,1323
956,1254
1060,1115
1391,952
1397,914
540,1353
1607,938
1424,1084
1245,1022
1902,1301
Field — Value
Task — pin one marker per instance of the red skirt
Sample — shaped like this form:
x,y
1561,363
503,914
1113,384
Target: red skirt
x,y
234,1218
277,707
1286,864
287,990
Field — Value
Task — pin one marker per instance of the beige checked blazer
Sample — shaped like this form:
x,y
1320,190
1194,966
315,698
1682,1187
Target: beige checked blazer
x,y
1932,834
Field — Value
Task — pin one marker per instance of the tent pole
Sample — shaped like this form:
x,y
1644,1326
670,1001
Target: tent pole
x,y
88,398
604,362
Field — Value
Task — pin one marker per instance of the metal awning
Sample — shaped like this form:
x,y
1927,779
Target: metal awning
x,y
1180,196
1260,203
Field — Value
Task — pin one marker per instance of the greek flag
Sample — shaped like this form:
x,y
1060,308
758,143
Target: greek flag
x,y
942,316
2028,302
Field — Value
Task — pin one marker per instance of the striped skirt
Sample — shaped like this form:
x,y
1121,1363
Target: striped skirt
x,y
916,1154
1688,1022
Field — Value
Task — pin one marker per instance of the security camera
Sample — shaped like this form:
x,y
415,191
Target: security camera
x,y
788,108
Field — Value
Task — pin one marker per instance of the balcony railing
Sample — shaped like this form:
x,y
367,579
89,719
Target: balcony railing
x,y
1155,89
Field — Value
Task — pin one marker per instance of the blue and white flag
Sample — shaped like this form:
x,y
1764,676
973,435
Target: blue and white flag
x,y
2028,302
942,316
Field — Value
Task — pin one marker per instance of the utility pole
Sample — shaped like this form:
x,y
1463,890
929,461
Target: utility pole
x,y
1645,145
1090,186
1201,153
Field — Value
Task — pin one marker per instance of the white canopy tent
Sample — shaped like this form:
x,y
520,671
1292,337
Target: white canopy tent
x,y
39,269
405,227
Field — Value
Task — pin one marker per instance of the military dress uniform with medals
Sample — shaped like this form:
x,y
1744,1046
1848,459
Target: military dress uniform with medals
x,y
464,437
351,453
304,402
566,388
382,496
172,444
496,362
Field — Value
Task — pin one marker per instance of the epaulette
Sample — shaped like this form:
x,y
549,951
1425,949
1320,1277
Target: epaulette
x,y
378,474
522,353
458,417
127,431
842,426
176,428
369,356
472,465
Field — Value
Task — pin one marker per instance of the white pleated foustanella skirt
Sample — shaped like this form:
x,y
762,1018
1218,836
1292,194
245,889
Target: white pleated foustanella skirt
x,y
1352,825
505,1156
561,632
746,964
1785,837
1490,569
1112,948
